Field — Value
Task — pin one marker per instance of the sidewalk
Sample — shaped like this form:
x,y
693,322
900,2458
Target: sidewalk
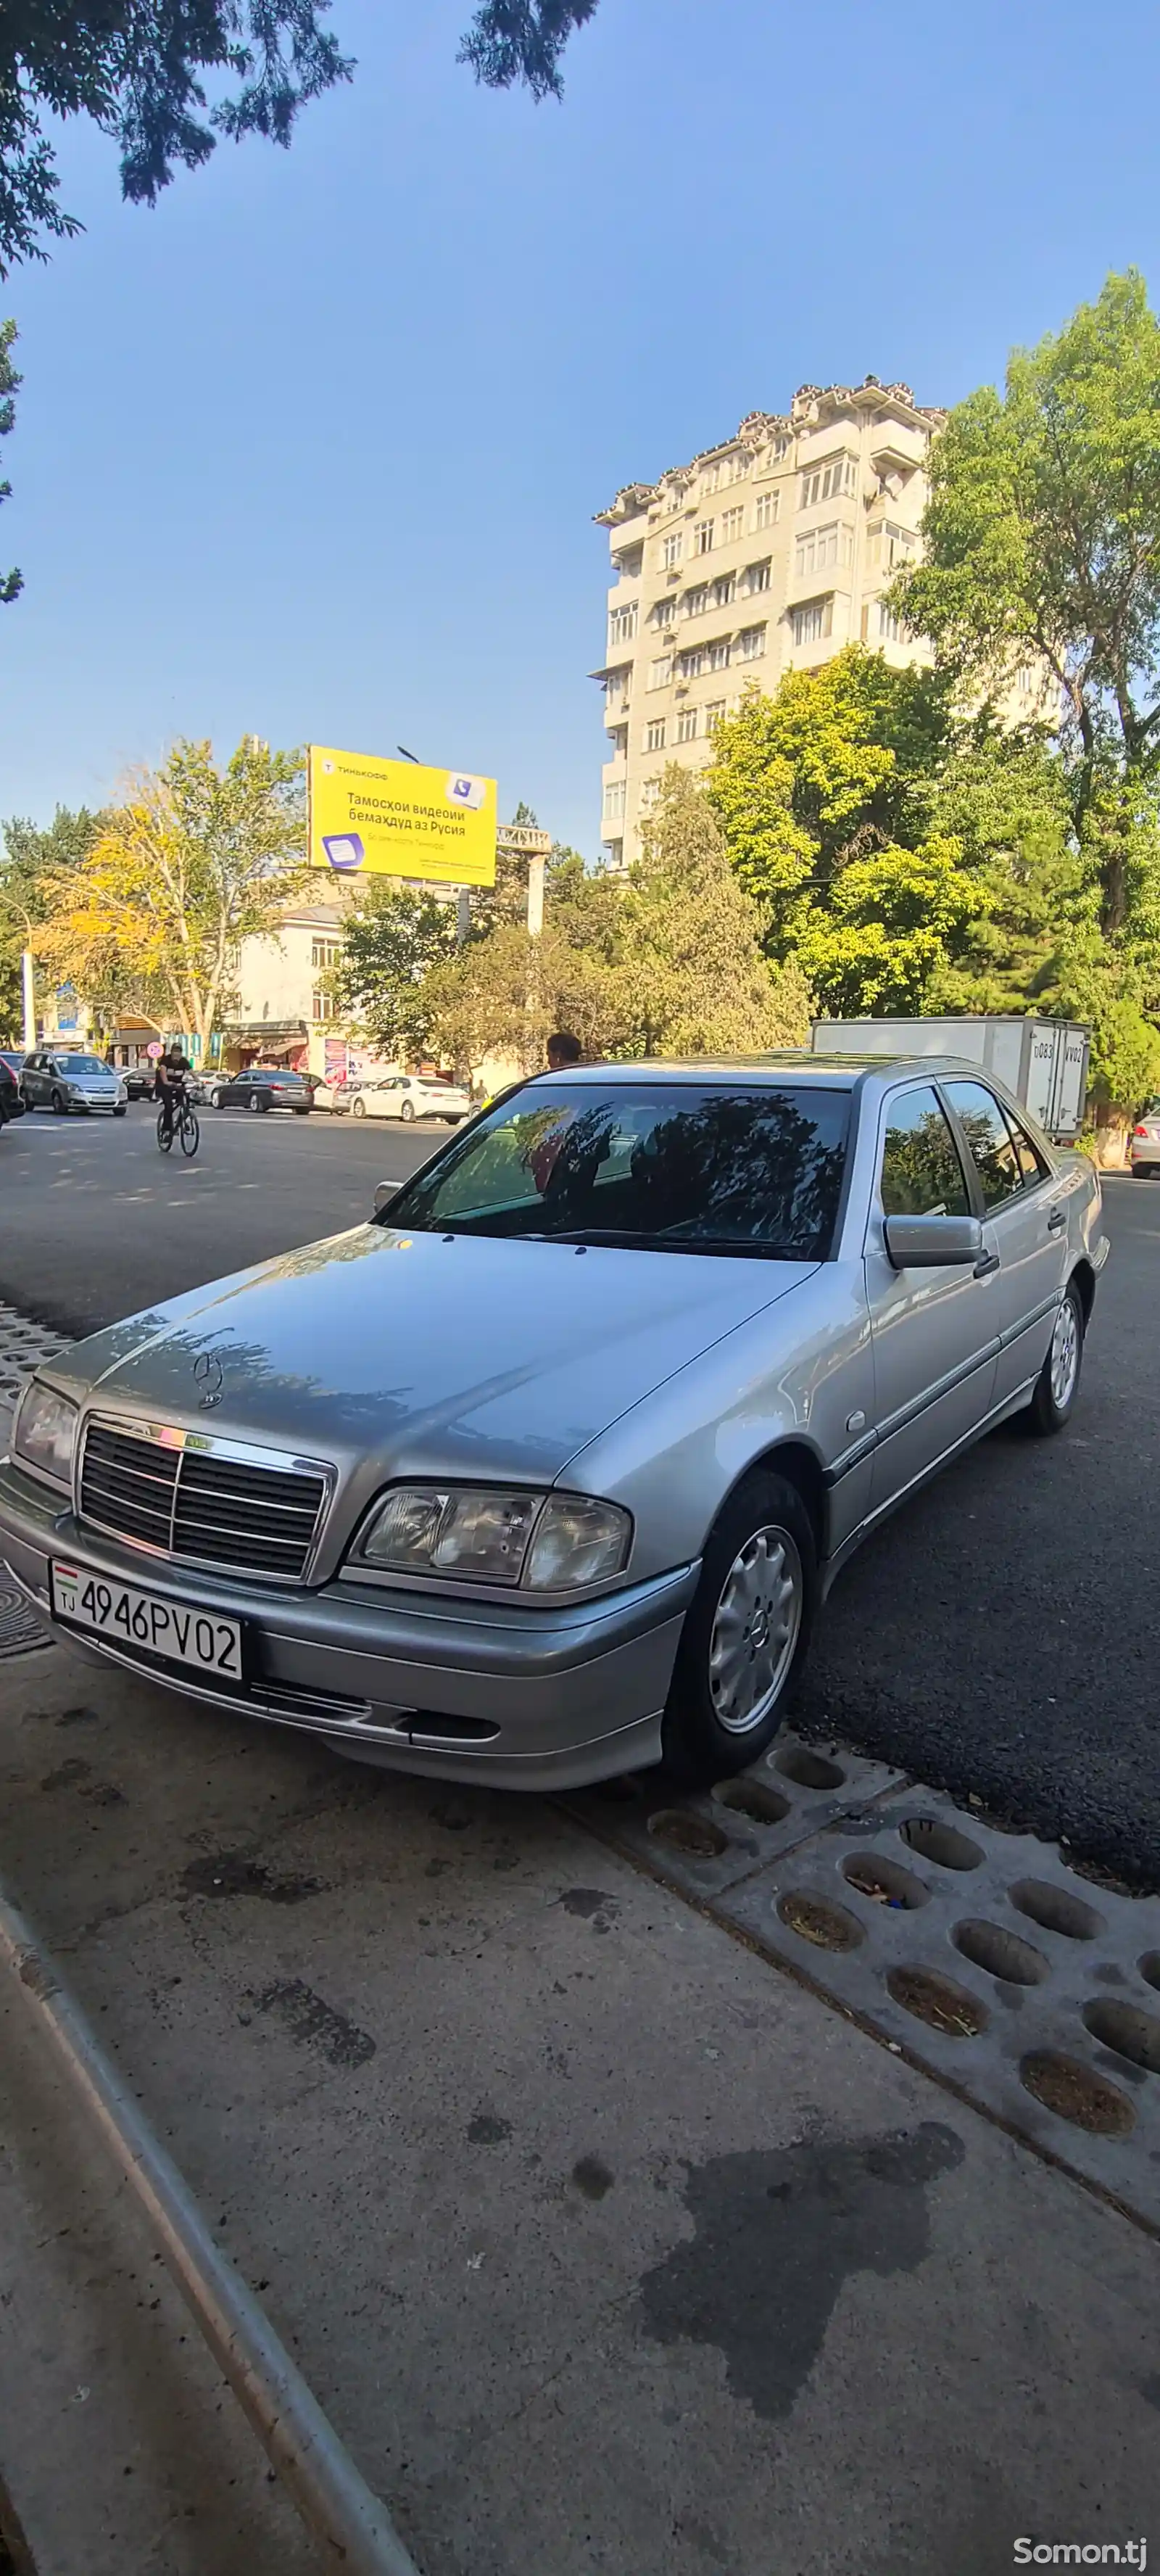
x,y
606,2247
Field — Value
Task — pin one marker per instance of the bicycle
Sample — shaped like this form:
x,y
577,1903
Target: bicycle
x,y
184,1126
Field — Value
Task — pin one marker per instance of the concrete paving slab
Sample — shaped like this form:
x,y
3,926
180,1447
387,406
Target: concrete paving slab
x,y
605,2244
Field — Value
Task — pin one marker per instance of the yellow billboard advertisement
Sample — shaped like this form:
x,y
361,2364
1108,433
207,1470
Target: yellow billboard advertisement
x,y
394,818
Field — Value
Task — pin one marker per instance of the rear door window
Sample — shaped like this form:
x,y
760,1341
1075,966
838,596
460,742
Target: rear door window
x,y
989,1141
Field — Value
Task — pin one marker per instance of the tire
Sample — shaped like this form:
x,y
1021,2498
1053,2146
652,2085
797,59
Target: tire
x,y
407,1111
58,1105
120,1113
763,1538
190,1134
165,1142
358,1108
255,1104
215,1098
1057,1384
1143,1171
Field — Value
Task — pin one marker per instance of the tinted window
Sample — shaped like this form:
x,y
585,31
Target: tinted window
x,y
653,1166
1028,1156
989,1139
921,1171
83,1064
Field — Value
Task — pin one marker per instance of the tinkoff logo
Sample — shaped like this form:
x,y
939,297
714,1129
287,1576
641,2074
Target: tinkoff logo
x,y
344,849
466,791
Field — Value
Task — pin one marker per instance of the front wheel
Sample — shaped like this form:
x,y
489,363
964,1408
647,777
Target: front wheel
x,y
407,1111
58,1104
190,1133
745,1634
1057,1384
119,1113
255,1104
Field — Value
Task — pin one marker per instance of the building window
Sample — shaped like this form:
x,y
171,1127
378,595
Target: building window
x,y
738,466
751,643
723,591
671,551
703,537
813,621
616,694
718,654
714,714
696,601
711,478
757,577
649,794
654,734
664,612
765,510
660,672
890,628
325,952
1027,681
687,724
889,546
732,523
691,665
324,1006
829,482
614,800
821,550
622,626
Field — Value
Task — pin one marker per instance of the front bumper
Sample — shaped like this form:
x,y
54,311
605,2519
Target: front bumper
x,y
521,1696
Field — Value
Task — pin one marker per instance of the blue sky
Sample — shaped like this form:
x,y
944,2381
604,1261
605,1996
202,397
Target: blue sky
x,y
313,449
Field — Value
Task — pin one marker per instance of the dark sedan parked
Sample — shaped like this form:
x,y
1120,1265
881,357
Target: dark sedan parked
x,y
260,1086
11,1095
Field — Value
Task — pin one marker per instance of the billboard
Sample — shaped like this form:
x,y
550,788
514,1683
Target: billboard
x,y
394,818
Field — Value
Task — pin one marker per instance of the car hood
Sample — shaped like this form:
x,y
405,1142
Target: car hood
x,y
397,1354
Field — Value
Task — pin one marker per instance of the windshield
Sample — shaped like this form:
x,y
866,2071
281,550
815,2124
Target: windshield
x,y
82,1064
652,1166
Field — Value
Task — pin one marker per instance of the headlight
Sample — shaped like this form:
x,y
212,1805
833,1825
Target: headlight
x,y
46,1431
495,1534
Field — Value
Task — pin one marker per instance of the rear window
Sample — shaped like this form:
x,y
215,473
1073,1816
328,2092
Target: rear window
x,y
652,1167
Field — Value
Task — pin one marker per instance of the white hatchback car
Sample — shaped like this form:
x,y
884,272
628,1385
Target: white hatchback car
x,y
410,1095
1144,1143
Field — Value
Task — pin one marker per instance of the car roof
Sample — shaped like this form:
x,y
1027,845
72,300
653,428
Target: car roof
x,y
824,1072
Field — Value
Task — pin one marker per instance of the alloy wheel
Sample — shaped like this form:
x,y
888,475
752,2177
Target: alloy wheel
x,y
755,1630
1064,1356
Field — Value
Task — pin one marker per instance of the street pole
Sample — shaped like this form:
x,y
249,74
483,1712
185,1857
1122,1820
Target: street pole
x,y
462,916
28,988
536,866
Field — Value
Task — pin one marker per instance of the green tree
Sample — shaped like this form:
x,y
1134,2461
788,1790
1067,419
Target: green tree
x,y
11,583
32,862
503,995
691,977
882,944
1042,548
139,68
195,860
390,946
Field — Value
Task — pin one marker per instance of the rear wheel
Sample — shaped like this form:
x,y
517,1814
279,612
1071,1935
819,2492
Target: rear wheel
x,y
745,1635
164,1133
1057,1385
255,1104
358,1108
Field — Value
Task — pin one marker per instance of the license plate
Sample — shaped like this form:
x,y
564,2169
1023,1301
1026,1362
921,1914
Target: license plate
x,y
128,1617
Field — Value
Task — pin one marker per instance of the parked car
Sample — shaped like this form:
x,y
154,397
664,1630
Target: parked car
x,y
543,1473
1144,1143
408,1096
260,1086
55,1078
138,1080
334,1096
11,1096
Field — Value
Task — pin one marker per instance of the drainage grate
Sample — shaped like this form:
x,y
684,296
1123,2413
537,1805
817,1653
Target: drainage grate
x,y
21,1632
23,1347
1035,1990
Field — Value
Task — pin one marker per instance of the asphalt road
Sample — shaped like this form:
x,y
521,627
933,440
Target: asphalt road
x,y
998,1639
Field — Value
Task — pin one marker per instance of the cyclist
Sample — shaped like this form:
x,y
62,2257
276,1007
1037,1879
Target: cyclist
x,y
170,1090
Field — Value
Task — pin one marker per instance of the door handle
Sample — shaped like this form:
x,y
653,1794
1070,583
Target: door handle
x,y
1057,1221
986,1263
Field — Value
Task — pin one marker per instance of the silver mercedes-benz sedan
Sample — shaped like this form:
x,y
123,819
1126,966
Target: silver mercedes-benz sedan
x,y
542,1473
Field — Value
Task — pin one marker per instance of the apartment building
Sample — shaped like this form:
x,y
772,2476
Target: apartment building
x,y
763,555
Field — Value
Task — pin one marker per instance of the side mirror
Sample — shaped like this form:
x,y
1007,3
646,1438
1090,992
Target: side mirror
x,y
386,1191
933,1242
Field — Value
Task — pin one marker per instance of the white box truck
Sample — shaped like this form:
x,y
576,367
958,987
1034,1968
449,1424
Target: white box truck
x,y
1044,1062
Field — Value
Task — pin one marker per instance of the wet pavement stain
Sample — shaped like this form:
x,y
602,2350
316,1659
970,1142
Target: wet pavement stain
x,y
315,2024
487,2131
777,2235
235,1874
593,2177
68,1775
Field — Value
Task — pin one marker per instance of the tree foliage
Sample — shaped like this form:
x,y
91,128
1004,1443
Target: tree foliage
x,y
166,78
31,862
195,860
390,946
11,583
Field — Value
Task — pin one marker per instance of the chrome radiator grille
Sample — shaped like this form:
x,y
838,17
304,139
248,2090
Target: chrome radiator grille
x,y
200,1505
